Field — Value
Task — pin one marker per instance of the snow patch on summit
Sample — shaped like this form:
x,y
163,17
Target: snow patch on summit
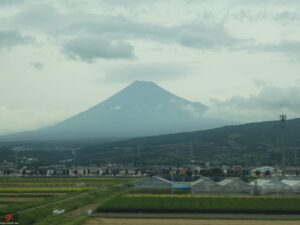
x,y
115,108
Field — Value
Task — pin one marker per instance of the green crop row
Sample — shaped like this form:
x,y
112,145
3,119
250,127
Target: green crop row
x,y
160,204
100,180
40,189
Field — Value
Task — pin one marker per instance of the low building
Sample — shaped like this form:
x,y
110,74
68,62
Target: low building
x,y
266,171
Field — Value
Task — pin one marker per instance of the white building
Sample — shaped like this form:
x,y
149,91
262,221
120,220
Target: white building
x,y
266,171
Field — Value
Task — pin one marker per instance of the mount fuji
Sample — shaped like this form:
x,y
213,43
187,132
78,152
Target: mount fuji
x,y
141,109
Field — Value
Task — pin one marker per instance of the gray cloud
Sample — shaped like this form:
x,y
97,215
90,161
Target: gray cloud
x,y
289,48
41,17
11,38
266,105
38,65
285,16
89,48
201,36
11,2
193,35
147,71
270,98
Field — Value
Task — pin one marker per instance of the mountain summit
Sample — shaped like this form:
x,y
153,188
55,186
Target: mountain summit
x,y
142,108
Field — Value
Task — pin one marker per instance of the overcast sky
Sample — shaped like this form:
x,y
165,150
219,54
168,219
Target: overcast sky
x,y
239,57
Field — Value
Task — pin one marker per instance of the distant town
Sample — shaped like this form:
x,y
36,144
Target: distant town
x,y
28,167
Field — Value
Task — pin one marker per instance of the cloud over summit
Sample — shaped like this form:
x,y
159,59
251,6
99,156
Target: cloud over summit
x,y
90,48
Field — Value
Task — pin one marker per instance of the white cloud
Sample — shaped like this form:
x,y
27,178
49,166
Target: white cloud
x,y
146,71
90,48
270,102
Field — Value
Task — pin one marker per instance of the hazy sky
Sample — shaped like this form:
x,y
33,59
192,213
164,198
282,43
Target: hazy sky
x,y
57,58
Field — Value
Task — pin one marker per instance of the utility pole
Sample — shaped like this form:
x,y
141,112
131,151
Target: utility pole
x,y
17,159
177,160
74,152
139,157
283,124
192,150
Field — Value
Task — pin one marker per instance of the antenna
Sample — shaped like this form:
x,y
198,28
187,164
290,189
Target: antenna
x,y
283,125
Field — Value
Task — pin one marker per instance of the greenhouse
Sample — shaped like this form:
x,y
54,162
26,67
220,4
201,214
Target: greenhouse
x,y
271,186
294,184
154,183
234,185
204,185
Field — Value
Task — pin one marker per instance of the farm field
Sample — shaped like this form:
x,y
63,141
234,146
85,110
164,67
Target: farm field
x,y
109,221
34,199
155,203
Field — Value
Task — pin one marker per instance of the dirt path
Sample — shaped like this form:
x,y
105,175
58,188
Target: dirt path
x,y
111,221
93,206
75,196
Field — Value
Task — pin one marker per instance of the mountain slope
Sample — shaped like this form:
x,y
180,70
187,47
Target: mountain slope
x,y
142,108
241,144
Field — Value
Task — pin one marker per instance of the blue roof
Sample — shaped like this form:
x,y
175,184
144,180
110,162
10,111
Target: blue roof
x,y
181,186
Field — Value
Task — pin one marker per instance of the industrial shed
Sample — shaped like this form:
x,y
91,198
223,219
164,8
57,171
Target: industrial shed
x,y
154,183
204,185
271,186
234,186
294,184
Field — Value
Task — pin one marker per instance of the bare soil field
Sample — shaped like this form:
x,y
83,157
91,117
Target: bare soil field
x,y
111,221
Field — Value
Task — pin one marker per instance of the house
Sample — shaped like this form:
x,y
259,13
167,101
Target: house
x,y
266,171
204,185
154,183
234,185
87,171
